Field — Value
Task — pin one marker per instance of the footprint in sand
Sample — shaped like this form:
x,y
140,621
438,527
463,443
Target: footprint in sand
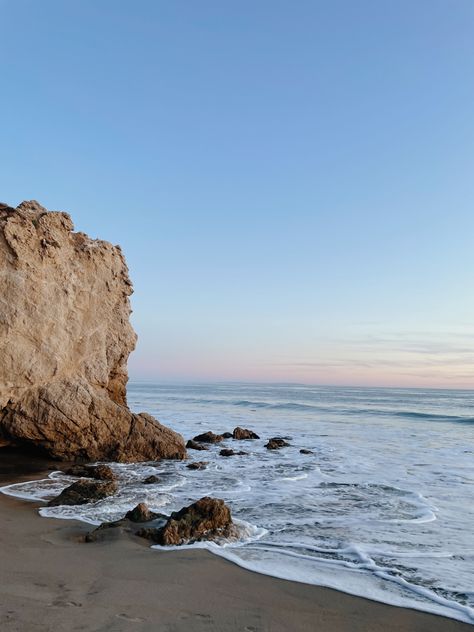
x,y
122,615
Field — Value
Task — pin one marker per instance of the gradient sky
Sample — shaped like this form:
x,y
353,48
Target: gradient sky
x,y
292,182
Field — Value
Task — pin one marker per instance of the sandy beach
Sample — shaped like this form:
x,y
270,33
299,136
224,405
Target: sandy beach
x,y
51,580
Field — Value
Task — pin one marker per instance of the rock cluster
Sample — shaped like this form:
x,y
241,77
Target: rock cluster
x,y
65,338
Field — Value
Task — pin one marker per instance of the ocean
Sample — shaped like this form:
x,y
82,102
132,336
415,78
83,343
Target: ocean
x,y
382,508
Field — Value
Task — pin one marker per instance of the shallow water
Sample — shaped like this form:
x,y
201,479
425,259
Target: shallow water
x,y
383,508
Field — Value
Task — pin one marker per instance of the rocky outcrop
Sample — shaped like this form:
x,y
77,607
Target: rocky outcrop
x,y
65,338
84,491
206,519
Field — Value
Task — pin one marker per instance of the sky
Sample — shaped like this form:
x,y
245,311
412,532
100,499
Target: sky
x,y
291,182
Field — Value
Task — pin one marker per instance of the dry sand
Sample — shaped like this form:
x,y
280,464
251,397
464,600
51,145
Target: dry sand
x,y
52,581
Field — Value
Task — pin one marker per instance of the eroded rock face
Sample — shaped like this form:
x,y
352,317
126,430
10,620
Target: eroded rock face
x,y
206,519
65,338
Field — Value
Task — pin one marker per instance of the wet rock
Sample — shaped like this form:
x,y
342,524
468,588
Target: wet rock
x,y
100,472
141,513
206,519
276,443
227,435
107,531
243,433
84,491
306,451
151,480
194,445
197,465
208,437
228,452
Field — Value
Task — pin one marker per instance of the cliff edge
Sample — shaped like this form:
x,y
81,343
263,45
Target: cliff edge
x,y
65,337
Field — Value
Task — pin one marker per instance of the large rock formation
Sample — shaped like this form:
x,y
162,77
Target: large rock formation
x,y
65,338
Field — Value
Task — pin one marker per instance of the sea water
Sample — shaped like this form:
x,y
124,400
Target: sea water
x,y
382,508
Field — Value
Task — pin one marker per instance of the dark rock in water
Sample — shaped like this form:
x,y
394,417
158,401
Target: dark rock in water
x,y
305,451
206,519
141,513
197,465
227,452
243,433
276,443
194,445
84,491
227,435
100,472
151,480
208,437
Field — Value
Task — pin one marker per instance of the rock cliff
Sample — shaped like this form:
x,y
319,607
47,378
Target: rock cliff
x,y
65,338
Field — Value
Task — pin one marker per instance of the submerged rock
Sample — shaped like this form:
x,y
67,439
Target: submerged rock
x,y
243,433
276,443
306,451
208,437
228,452
227,435
197,465
206,519
151,480
65,338
107,531
194,445
100,472
84,491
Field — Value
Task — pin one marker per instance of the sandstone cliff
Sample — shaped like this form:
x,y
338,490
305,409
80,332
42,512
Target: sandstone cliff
x,y
65,338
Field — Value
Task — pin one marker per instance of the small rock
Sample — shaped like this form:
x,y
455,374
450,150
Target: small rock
x,y
243,433
227,435
276,443
150,480
208,437
305,451
194,445
228,452
140,513
84,491
197,465
206,519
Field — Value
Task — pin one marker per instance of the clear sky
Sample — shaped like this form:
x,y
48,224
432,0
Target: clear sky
x,y
292,182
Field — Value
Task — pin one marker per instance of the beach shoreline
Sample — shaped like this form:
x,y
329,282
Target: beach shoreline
x,y
52,580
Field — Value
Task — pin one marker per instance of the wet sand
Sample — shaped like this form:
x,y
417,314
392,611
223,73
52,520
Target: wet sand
x,y
50,580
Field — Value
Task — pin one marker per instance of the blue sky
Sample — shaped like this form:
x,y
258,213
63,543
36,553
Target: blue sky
x,y
291,182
